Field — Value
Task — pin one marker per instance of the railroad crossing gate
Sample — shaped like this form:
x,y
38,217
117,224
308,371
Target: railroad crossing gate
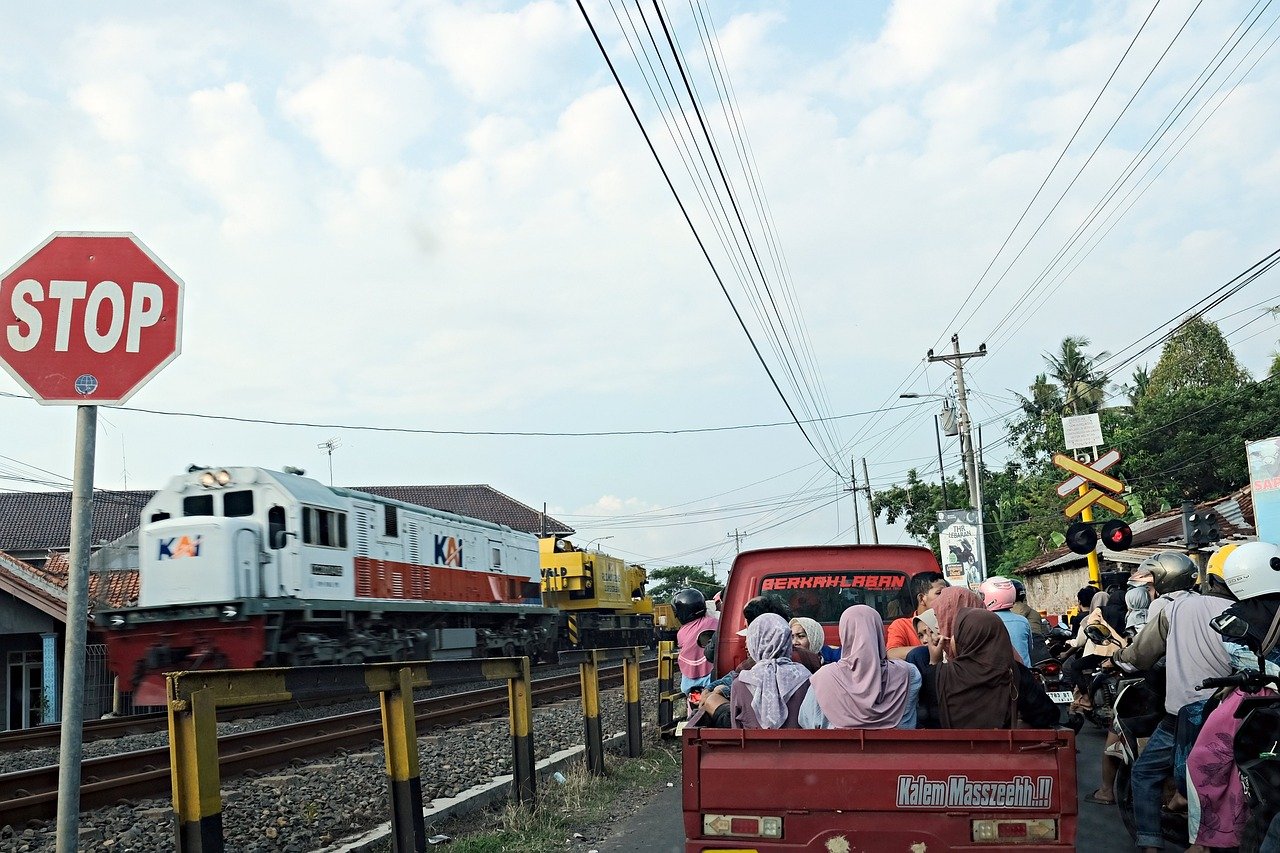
x,y
1093,476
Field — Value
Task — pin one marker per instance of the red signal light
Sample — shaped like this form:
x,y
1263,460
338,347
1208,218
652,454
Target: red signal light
x,y
1116,535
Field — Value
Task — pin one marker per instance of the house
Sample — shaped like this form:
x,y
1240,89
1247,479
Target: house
x,y
1054,578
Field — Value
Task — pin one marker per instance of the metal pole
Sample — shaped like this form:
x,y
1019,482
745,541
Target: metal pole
x,y
982,528
942,472
77,627
871,510
853,490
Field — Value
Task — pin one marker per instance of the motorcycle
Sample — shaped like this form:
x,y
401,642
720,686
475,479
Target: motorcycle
x,y
1048,671
1255,745
1139,707
1103,686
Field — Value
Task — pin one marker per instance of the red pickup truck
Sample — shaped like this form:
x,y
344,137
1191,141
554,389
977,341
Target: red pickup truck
x,y
844,790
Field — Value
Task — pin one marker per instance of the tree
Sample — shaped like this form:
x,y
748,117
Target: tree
x,y
1140,386
1082,385
667,581
1196,356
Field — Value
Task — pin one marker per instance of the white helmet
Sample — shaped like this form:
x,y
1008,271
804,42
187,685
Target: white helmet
x,y
1253,569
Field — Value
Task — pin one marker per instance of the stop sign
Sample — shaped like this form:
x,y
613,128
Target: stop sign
x,y
88,318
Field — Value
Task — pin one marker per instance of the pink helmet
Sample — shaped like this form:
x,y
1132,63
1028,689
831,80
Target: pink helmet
x,y
998,593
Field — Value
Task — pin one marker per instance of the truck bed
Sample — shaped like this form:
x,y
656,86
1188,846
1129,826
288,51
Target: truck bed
x,y
840,791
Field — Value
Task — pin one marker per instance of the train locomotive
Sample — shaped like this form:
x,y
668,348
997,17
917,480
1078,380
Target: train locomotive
x,y
243,567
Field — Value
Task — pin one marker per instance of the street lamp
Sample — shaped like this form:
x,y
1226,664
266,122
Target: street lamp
x,y
597,539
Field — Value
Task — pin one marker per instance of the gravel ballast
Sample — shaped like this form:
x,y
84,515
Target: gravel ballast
x,y
319,801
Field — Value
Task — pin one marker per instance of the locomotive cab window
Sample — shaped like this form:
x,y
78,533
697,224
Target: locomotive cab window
x,y
197,505
159,516
326,528
390,522
237,504
275,526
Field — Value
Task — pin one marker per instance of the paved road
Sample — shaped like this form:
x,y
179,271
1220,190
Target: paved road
x,y
657,827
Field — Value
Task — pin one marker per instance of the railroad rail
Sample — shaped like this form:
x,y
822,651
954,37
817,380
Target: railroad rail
x,y
144,774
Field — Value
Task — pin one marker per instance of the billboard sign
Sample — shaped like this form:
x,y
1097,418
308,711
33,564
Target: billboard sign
x,y
961,547
1264,483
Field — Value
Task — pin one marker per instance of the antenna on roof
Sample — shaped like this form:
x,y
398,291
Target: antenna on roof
x,y
329,446
544,519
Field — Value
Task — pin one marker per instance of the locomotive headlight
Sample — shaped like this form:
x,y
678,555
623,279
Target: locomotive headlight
x,y
117,621
229,612
223,477
208,480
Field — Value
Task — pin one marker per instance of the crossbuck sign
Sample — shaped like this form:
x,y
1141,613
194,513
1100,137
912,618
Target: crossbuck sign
x,y
1083,474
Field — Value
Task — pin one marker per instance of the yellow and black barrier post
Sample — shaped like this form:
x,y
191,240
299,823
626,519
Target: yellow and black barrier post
x,y
400,739
194,698
666,686
631,694
193,755
521,701
590,676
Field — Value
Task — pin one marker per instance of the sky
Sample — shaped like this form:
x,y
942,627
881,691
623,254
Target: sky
x,y
402,215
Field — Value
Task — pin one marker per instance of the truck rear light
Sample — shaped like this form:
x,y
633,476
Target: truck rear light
x,y
1016,831
747,826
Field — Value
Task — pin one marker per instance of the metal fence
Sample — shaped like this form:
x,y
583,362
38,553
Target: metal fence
x,y
99,686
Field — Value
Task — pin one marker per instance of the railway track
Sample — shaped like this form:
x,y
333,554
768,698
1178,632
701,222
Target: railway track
x,y
143,774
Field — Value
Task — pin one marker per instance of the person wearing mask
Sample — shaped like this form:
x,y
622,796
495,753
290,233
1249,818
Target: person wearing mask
x,y
998,594
865,689
1137,600
983,686
919,594
1218,809
696,629
769,694
1039,627
1180,633
808,636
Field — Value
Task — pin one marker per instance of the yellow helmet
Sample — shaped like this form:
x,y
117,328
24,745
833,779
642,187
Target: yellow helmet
x,y
1219,557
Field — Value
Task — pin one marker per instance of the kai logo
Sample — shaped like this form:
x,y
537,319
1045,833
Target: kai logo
x,y
177,547
448,551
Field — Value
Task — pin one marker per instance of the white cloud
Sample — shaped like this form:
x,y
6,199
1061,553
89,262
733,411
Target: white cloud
x,y
364,111
493,56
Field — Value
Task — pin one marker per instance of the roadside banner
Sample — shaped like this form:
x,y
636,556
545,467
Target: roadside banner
x,y
961,547
1264,482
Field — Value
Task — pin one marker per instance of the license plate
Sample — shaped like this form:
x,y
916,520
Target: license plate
x,y
1061,697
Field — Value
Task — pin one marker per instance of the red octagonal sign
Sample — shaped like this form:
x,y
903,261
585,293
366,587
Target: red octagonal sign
x,y
88,318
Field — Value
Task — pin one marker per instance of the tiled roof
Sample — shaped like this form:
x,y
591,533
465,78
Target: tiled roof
x,y
1235,512
46,587
476,501
38,521
41,521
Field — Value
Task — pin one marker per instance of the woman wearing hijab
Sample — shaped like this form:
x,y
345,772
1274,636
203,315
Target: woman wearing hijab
x,y
864,689
769,694
807,636
950,602
983,686
1091,654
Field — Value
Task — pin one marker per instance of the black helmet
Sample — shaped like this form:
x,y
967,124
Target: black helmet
x,y
1021,588
1170,571
689,604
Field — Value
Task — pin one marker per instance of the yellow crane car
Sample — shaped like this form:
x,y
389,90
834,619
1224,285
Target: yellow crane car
x,y
601,599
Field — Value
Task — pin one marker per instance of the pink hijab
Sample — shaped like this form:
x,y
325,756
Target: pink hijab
x,y
862,690
946,606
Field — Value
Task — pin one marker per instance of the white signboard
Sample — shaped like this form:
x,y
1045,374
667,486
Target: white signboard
x,y
1082,431
961,547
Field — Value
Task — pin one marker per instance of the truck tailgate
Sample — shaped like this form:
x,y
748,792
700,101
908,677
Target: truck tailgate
x,y
845,790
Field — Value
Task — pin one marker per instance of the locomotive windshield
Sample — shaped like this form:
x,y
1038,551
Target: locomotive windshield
x,y
825,595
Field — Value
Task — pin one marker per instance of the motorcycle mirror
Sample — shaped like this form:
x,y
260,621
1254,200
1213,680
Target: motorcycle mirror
x,y
1233,628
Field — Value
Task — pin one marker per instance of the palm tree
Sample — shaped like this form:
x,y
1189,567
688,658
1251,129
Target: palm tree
x,y
1138,389
1082,383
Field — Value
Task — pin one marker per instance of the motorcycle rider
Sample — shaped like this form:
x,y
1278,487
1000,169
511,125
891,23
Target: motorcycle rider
x,y
1039,627
696,628
999,593
1178,631
1218,809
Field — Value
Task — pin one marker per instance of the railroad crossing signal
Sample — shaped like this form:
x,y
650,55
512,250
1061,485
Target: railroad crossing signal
x,y
1084,474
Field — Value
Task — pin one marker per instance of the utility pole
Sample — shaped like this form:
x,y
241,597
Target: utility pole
x,y
956,359
853,490
871,510
737,541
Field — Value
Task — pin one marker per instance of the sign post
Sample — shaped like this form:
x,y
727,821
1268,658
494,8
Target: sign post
x,y
1089,481
86,319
